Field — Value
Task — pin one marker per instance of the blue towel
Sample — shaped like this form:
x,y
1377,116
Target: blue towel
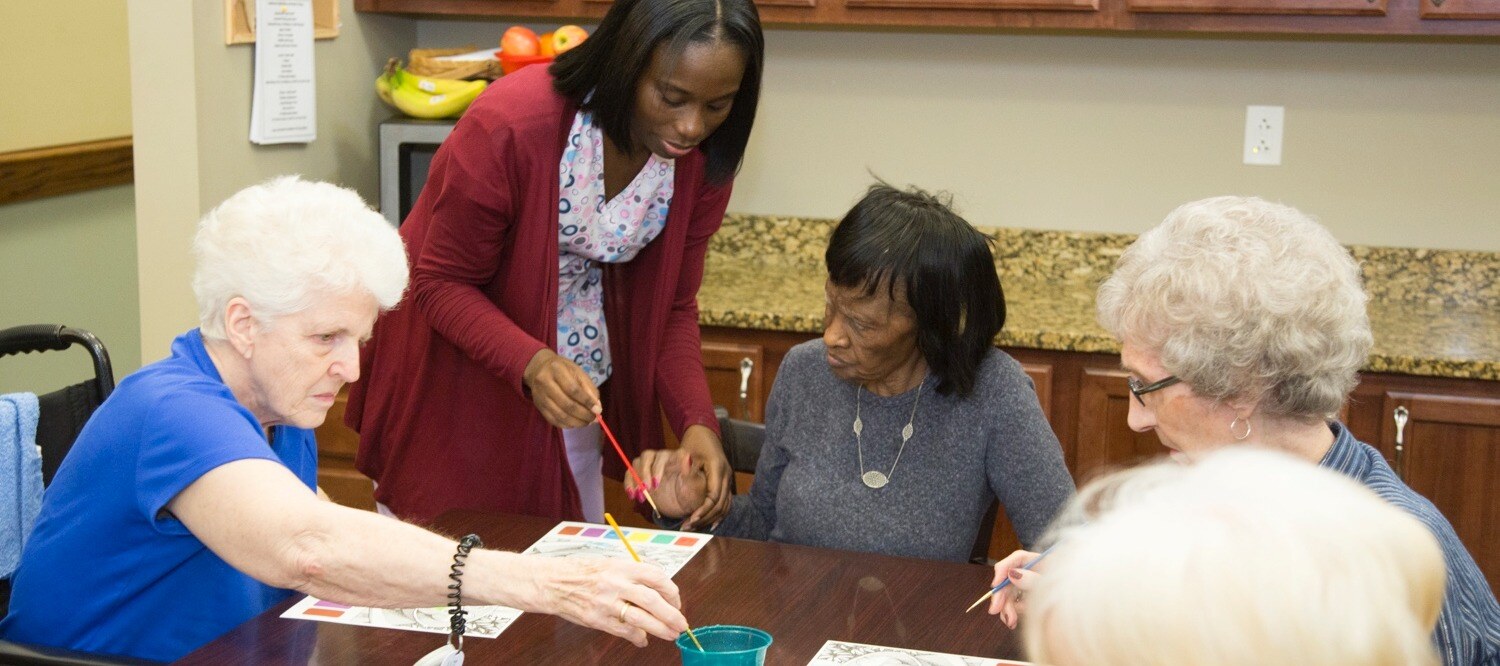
x,y
20,476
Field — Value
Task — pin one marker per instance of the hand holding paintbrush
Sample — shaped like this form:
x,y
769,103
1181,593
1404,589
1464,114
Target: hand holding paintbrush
x,y
610,435
1007,608
697,471
631,549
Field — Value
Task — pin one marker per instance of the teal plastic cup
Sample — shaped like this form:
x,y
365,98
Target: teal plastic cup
x,y
725,645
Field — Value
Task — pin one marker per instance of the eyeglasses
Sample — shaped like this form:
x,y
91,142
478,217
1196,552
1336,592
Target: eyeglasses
x,y
1137,389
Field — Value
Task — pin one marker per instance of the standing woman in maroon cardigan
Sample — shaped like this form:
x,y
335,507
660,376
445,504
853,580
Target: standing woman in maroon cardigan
x,y
556,253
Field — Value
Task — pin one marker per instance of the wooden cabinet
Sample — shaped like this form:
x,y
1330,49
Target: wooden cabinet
x,y
1274,7
1039,5
1449,449
1450,442
1105,441
337,446
735,373
1438,18
1450,454
1461,9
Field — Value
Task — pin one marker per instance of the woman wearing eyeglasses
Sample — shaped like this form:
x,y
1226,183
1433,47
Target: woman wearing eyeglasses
x,y
1242,323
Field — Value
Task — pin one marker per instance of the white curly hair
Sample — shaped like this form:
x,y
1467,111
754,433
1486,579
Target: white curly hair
x,y
287,242
1245,299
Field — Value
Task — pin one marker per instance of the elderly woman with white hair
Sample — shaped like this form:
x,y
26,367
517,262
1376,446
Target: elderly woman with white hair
x,y
1242,322
188,504
1247,557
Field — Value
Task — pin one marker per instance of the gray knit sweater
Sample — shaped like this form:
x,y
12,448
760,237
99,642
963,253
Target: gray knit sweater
x,y
964,453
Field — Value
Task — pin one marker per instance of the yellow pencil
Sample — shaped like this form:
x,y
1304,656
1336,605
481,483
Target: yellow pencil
x,y
620,533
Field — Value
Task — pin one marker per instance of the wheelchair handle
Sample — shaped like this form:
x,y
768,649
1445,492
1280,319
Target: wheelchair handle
x,y
56,337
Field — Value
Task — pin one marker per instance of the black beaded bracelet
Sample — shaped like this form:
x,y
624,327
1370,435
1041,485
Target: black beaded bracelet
x,y
456,613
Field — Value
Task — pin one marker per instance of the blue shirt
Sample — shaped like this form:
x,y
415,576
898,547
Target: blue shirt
x,y
1468,628
107,569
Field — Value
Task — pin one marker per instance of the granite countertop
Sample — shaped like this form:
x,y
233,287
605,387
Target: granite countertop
x,y
766,273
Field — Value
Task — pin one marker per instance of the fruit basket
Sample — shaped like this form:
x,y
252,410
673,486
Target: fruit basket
x,y
425,62
510,63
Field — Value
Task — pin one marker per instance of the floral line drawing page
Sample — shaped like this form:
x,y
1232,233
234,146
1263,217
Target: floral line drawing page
x,y
860,654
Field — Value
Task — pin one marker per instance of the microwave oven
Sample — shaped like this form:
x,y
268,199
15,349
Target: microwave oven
x,y
406,149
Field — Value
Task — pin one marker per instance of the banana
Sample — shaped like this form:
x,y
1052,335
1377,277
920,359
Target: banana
x,y
418,104
383,89
424,97
436,86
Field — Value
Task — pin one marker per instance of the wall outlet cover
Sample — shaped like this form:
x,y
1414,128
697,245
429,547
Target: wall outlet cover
x,y
1263,125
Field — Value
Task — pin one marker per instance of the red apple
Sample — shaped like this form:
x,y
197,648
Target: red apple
x,y
567,37
519,40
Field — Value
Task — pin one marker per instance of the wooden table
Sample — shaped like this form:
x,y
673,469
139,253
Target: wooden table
x,y
803,596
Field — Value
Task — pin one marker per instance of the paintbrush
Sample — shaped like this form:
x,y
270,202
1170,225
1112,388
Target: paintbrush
x,y
1005,582
629,549
628,467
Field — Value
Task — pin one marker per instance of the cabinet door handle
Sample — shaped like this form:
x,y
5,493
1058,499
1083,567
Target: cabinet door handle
x,y
747,366
1401,415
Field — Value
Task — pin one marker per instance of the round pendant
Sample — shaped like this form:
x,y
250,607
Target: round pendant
x,y
874,479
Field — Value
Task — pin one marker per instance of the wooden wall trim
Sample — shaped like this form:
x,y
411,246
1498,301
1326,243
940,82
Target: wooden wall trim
x,y
75,167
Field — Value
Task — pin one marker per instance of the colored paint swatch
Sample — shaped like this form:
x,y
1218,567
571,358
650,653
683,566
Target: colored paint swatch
x,y
611,535
323,612
596,531
570,530
637,535
323,603
686,541
662,538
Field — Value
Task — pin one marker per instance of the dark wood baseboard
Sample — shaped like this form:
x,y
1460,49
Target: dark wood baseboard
x,y
75,167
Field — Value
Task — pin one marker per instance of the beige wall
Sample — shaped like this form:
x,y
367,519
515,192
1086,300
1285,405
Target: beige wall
x,y
193,148
67,259
66,73
1388,143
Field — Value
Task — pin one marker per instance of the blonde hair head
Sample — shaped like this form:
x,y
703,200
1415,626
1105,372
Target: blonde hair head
x,y
1246,557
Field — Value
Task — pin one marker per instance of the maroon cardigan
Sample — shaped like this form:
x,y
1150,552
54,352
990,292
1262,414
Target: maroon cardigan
x,y
444,418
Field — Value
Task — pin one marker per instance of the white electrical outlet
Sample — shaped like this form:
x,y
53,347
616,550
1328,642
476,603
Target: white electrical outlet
x,y
1263,134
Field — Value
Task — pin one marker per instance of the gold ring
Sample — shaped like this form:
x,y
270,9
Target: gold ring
x,y
624,606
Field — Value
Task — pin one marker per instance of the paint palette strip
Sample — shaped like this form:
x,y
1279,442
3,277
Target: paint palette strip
x,y
669,550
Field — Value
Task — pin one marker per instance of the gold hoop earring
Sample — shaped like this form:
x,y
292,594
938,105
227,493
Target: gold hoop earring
x,y
1235,422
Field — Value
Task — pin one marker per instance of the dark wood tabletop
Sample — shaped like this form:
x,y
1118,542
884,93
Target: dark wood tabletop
x,y
802,596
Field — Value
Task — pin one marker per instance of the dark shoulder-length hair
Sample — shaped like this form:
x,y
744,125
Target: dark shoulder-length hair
x,y
611,62
914,241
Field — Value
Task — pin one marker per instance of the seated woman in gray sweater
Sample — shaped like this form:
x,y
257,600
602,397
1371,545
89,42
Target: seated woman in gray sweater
x,y
894,432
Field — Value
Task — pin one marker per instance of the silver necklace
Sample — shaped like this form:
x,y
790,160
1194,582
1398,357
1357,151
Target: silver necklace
x,y
874,478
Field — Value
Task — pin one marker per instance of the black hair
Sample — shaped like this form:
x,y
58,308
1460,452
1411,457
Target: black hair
x,y
611,62
914,239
